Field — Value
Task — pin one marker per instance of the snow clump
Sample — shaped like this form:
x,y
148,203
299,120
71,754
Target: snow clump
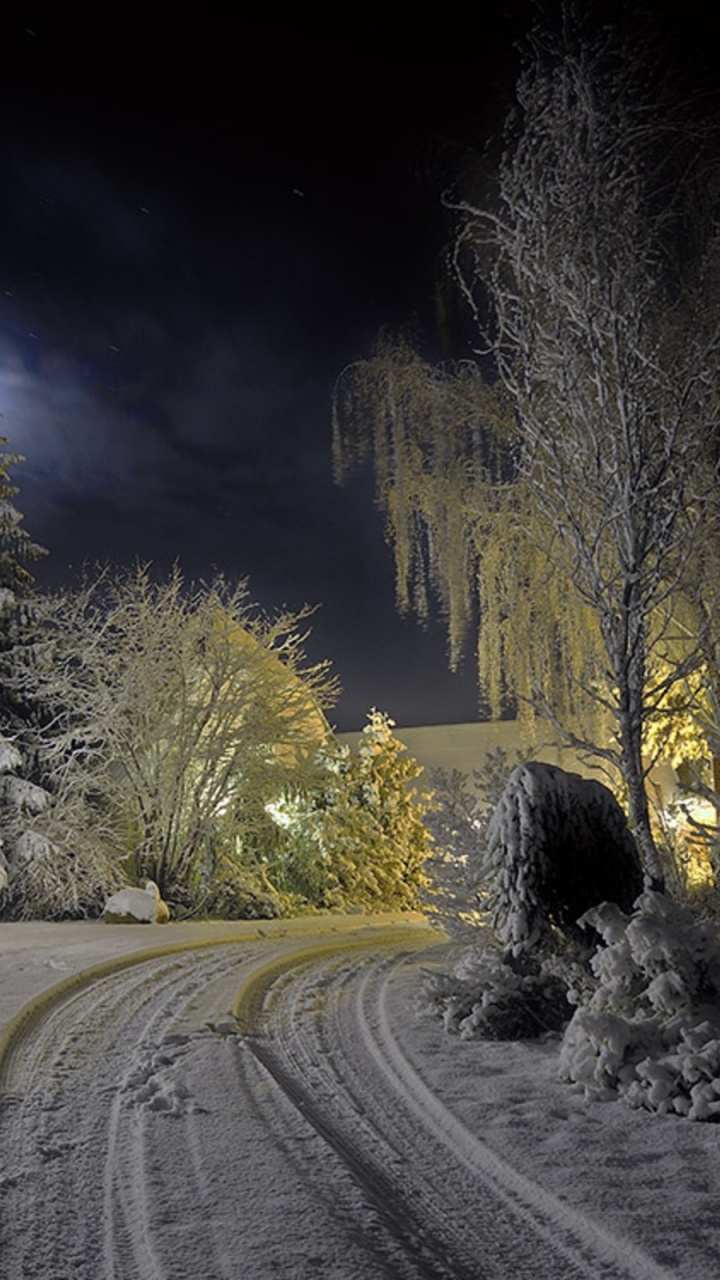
x,y
136,906
650,1031
24,796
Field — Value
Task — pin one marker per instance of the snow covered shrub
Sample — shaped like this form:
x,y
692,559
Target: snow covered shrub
x,y
557,844
178,712
491,995
44,872
55,860
650,1032
462,805
10,759
50,877
236,893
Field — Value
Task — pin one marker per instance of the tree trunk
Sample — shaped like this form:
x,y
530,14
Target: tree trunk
x,y
638,806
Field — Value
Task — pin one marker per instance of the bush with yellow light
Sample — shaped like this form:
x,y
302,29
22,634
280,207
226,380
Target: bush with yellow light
x,y
357,836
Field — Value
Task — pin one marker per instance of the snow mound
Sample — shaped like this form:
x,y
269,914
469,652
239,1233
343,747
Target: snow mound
x,y
136,906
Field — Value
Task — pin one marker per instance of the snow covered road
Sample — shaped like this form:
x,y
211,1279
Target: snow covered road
x,y
262,1108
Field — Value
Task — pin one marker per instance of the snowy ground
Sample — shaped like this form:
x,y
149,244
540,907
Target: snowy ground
x,y
267,1104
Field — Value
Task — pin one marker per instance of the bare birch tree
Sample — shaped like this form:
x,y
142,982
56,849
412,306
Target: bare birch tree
x,y
592,276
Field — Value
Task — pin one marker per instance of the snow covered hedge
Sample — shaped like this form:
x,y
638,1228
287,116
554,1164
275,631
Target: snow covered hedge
x,y
650,1032
646,1025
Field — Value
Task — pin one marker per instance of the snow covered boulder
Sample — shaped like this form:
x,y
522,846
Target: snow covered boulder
x,y
136,906
557,845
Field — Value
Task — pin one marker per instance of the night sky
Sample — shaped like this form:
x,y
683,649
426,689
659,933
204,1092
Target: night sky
x,y
196,237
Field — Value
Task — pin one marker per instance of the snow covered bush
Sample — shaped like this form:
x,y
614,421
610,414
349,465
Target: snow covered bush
x,y
650,1032
554,845
236,893
462,805
491,995
10,759
53,864
557,844
53,870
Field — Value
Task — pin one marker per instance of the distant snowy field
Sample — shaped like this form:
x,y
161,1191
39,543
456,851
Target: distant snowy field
x,y
269,1104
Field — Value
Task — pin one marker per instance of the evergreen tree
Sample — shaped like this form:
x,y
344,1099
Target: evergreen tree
x,y
357,836
18,608
20,795
17,548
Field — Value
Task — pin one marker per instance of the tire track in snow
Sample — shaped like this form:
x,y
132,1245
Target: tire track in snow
x,y
349,1209
76,1082
585,1242
304,1052
96,1126
426,1199
472,1213
403,1185
129,1249
430,1258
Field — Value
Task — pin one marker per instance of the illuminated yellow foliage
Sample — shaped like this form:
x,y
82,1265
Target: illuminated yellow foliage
x,y
185,710
464,527
357,835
